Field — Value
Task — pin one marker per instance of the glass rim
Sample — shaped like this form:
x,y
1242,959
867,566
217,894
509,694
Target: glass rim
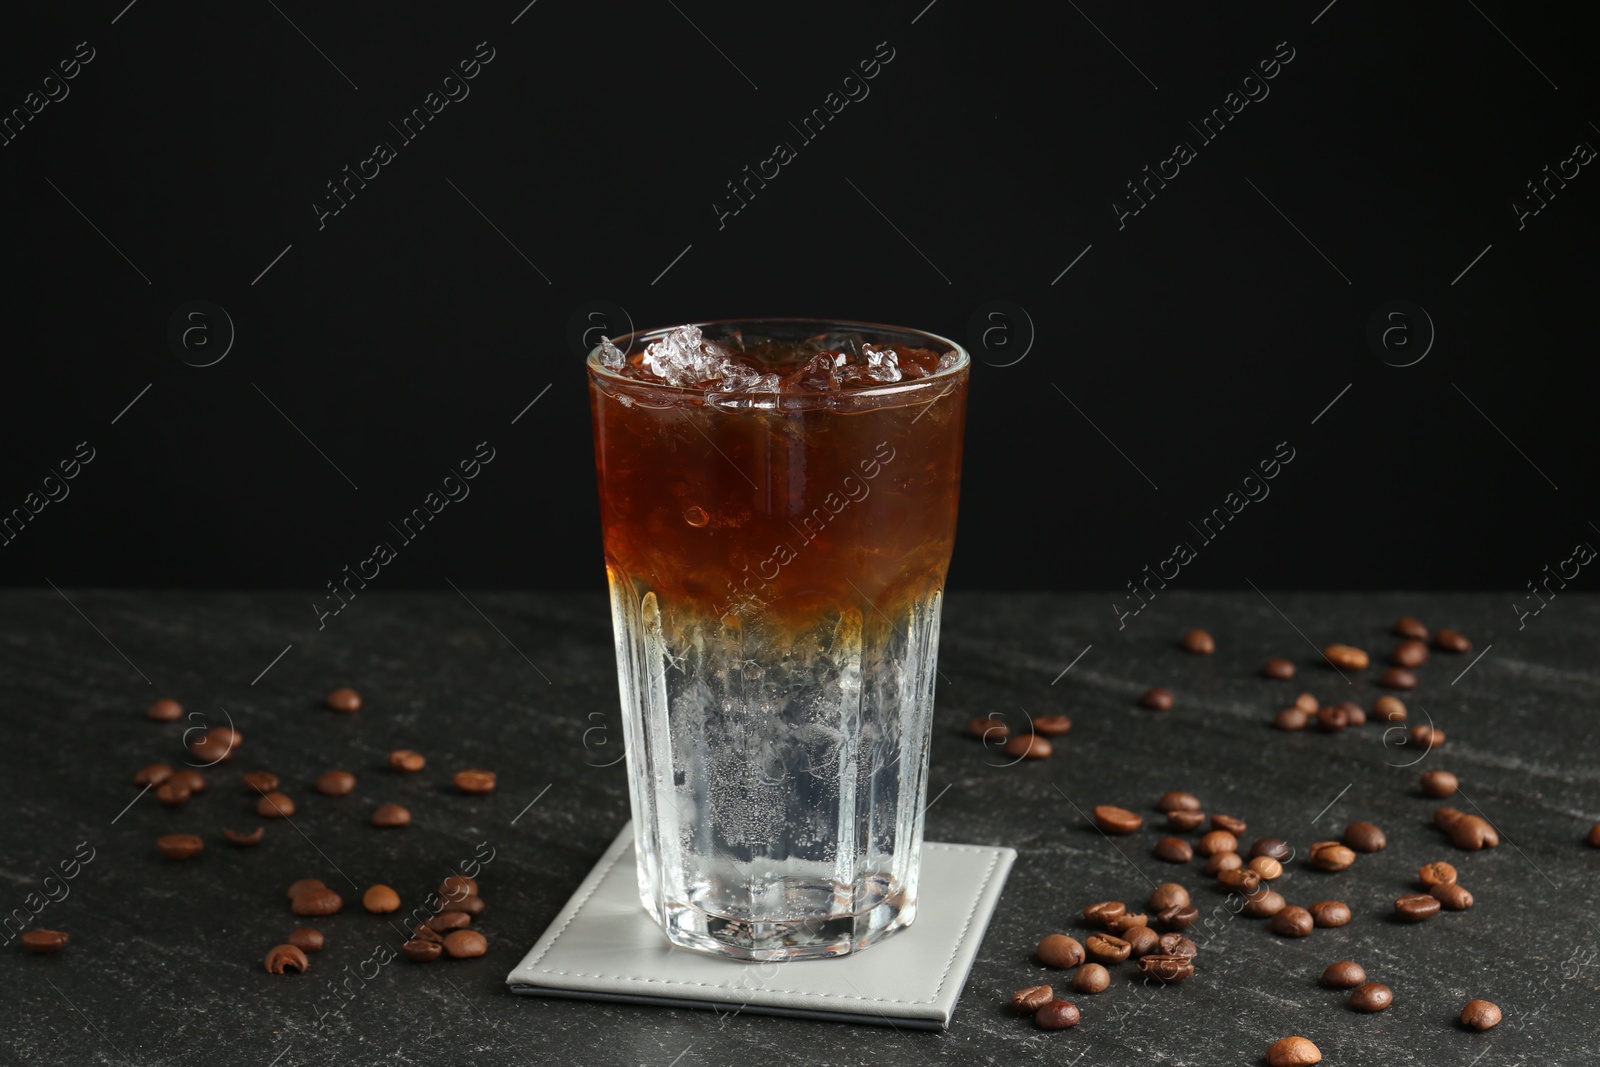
x,y
604,373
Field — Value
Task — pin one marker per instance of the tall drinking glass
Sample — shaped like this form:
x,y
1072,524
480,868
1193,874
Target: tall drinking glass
x,y
778,501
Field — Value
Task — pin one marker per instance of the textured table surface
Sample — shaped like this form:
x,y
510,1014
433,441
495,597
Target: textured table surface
x,y
165,967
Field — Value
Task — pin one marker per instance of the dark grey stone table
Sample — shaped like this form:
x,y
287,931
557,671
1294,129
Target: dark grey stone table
x,y
165,961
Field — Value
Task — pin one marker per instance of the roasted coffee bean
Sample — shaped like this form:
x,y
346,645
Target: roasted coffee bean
x,y
1168,895
344,699
407,761
1331,856
1157,699
1116,820
380,900
1450,641
1178,918
1108,948
1032,998
1184,821
1346,974
1307,703
164,710
216,745
1445,818
1022,746
274,806
1228,824
458,887
1365,837
446,921
307,939
335,783
422,951
1432,874
1142,941
470,906
1452,896
1241,878
1293,922
480,781
988,729
296,888
260,782
1406,626
1178,801
1056,1015
1594,835
243,840
1409,654
1174,850
317,902
388,815
1290,719
1355,714
1165,969
1223,861
1178,945
1397,678
1052,725
179,846
1472,832
1091,978
1371,996
1330,913
462,944
1276,847
1332,719
1414,907
1263,904
1346,657
1125,922
1103,912
1217,841
152,774
190,779
420,932
43,942
1439,784
1292,1052
172,793
1278,668
1055,950
1480,1015
1427,736
1268,868
1389,709
284,958
1199,642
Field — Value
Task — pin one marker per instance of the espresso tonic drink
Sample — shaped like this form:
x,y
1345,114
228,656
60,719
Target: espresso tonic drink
x,y
778,500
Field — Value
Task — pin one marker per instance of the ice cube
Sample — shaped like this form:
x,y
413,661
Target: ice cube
x,y
948,360
611,356
882,364
820,373
684,357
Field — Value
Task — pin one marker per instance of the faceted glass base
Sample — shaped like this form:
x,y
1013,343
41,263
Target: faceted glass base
x,y
837,934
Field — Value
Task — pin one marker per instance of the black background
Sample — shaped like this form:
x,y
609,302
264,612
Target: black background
x,y
985,161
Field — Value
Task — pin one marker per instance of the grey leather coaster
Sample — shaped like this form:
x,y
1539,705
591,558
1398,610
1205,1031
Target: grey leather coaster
x,y
604,946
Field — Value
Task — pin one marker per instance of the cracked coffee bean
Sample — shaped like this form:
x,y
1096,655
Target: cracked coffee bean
x,y
284,958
